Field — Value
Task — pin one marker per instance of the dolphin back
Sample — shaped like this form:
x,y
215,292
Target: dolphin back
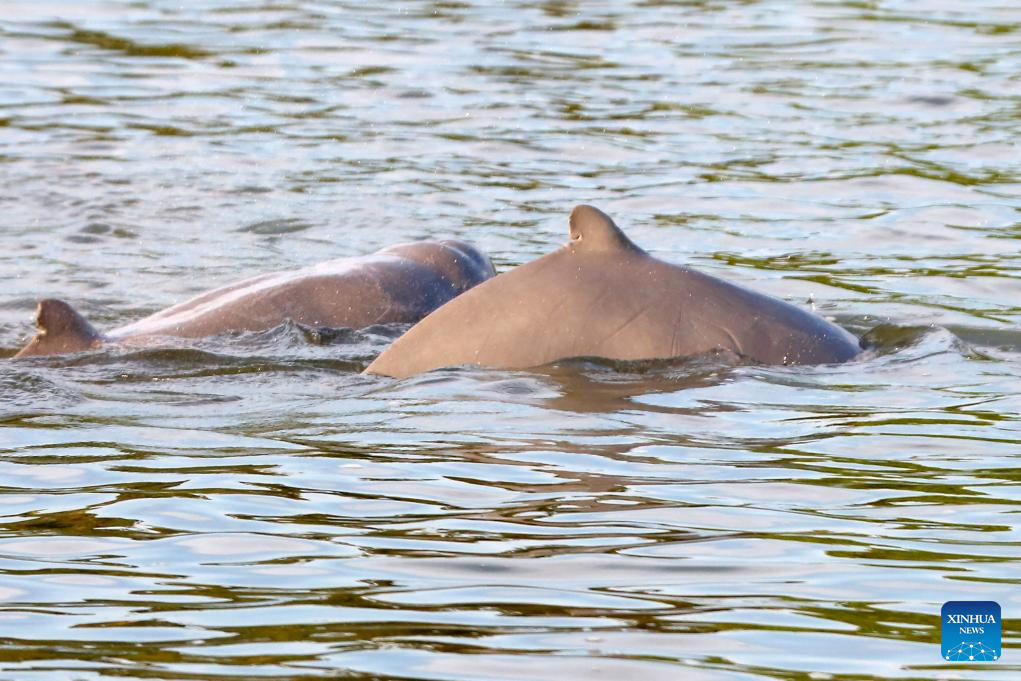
x,y
603,296
60,329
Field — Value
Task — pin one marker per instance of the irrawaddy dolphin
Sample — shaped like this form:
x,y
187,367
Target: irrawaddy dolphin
x,y
603,296
402,283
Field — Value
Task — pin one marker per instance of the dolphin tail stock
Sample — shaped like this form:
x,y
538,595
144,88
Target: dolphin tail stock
x,y
61,329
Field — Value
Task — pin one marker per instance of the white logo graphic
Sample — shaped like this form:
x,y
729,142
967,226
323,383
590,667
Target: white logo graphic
x,y
971,651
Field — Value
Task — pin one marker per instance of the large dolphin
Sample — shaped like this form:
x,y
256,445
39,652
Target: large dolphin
x,y
603,296
402,283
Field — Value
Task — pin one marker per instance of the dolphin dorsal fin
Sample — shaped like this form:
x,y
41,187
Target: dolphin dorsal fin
x,y
61,329
594,230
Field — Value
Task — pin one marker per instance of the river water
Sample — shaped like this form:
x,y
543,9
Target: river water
x,y
253,507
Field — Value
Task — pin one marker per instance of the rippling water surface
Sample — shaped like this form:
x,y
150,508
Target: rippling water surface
x,y
253,507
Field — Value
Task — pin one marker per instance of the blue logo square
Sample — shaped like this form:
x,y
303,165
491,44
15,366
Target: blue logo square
x,y
970,631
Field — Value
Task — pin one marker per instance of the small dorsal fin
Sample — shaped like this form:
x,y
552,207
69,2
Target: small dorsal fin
x,y
594,230
61,330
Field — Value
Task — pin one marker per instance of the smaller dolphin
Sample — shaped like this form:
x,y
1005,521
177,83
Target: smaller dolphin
x,y
401,283
603,296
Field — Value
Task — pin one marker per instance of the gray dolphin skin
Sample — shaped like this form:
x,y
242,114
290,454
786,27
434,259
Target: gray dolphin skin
x,y
603,296
401,283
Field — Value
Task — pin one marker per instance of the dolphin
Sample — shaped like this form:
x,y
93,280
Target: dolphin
x,y
603,296
401,283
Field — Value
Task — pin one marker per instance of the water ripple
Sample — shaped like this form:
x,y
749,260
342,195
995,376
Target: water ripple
x,y
251,506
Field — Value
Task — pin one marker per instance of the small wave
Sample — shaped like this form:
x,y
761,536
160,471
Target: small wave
x,y
910,343
108,41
